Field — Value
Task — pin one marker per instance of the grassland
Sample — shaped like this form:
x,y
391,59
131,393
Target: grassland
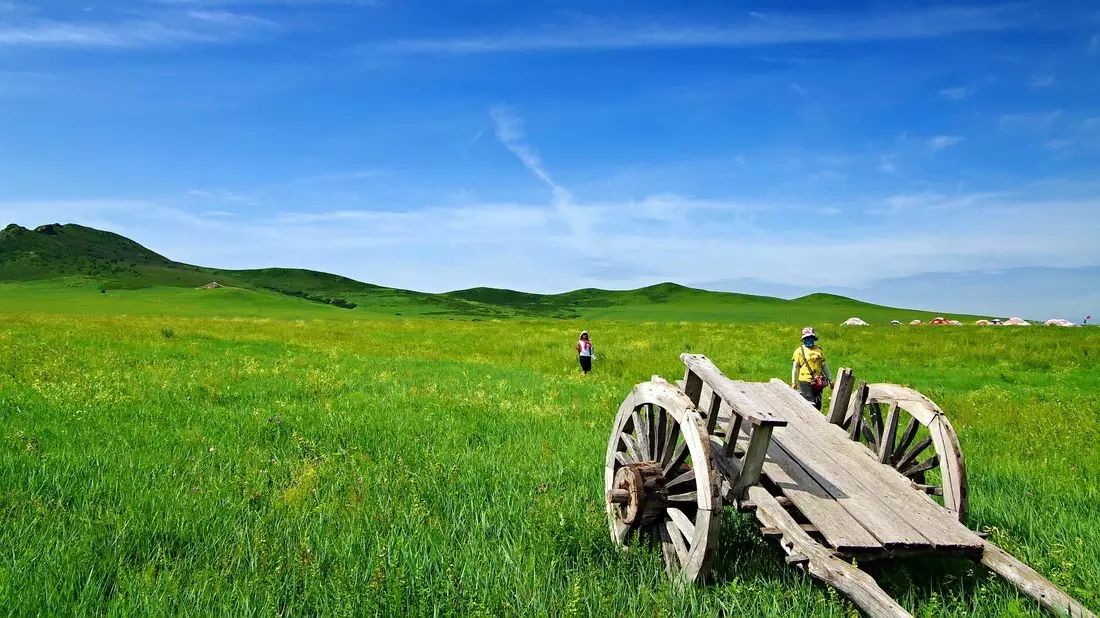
x,y
75,269
173,464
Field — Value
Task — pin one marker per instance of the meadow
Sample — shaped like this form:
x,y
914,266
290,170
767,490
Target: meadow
x,y
390,466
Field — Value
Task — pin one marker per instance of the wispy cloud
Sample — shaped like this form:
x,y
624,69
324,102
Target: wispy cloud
x,y
223,195
191,27
510,132
886,164
957,93
360,174
1094,45
940,142
798,89
777,29
1031,121
1042,81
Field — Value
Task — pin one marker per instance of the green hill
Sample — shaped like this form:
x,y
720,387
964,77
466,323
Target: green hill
x,y
72,268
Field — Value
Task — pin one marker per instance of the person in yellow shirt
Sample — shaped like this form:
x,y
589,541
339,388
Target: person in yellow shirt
x,y
809,372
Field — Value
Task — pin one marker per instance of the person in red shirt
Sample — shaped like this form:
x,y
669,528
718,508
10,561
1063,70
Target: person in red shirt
x,y
584,352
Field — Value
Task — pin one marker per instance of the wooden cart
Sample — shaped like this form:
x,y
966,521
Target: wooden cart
x,y
847,487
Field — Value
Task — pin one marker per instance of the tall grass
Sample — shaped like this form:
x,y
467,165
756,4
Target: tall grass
x,y
444,467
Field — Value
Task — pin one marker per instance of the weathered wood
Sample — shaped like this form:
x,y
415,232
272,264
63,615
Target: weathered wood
x,y
886,446
894,490
1031,583
855,411
842,394
688,547
820,562
753,460
700,366
841,530
714,410
733,430
850,485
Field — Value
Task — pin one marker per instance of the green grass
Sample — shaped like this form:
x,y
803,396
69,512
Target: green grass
x,y
81,261
176,464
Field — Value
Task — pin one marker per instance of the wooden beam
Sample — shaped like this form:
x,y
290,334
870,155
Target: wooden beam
x,y
700,367
842,394
1031,583
820,562
754,458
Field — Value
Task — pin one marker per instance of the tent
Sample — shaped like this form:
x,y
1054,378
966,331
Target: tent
x,y
1058,322
940,320
854,322
1016,322
895,323
983,323
954,323
916,323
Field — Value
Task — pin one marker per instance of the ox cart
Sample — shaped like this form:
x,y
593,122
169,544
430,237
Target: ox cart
x,y
881,475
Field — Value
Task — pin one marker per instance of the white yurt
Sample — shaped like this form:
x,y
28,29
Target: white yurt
x,y
1016,322
895,322
954,323
916,323
854,322
1058,322
983,323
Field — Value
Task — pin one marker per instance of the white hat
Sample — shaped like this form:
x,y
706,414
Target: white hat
x,y
808,332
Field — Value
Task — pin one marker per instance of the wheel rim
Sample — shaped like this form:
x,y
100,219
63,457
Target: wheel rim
x,y
659,485
907,431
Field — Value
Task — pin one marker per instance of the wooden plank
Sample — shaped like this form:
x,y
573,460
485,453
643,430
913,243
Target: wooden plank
x,y
820,562
840,529
700,366
918,509
846,480
1031,583
842,394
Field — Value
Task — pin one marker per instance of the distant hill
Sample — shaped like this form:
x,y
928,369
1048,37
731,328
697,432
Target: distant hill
x,y
85,261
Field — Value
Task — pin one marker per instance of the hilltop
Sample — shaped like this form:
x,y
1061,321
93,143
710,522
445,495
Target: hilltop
x,y
59,267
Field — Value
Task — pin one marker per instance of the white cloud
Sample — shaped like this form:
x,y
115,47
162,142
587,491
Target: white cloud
x,y
223,195
776,30
957,93
797,89
510,132
1094,45
1042,81
192,27
940,142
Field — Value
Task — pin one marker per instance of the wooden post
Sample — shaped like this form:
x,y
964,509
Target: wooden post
x,y
855,410
842,393
753,460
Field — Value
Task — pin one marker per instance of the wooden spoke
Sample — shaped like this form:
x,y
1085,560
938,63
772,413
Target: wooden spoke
x,y
658,480
688,476
632,447
688,496
661,435
907,436
687,528
912,455
641,433
925,428
677,539
670,445
681,455
921,468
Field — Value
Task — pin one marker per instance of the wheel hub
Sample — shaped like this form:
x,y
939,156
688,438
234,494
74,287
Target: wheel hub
x,y
639,493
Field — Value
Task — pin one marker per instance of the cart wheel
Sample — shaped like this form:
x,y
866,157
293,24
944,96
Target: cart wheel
x,y
907,431
658,480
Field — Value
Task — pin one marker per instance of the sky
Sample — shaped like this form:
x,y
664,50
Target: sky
x,y
939,155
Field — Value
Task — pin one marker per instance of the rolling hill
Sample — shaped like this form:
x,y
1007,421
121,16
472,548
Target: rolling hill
x,y
77,269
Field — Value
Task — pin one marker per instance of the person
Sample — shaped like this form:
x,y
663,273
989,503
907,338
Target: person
x,y
809,367
584,352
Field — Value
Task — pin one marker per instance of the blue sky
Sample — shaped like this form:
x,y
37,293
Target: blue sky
x,y
936,155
